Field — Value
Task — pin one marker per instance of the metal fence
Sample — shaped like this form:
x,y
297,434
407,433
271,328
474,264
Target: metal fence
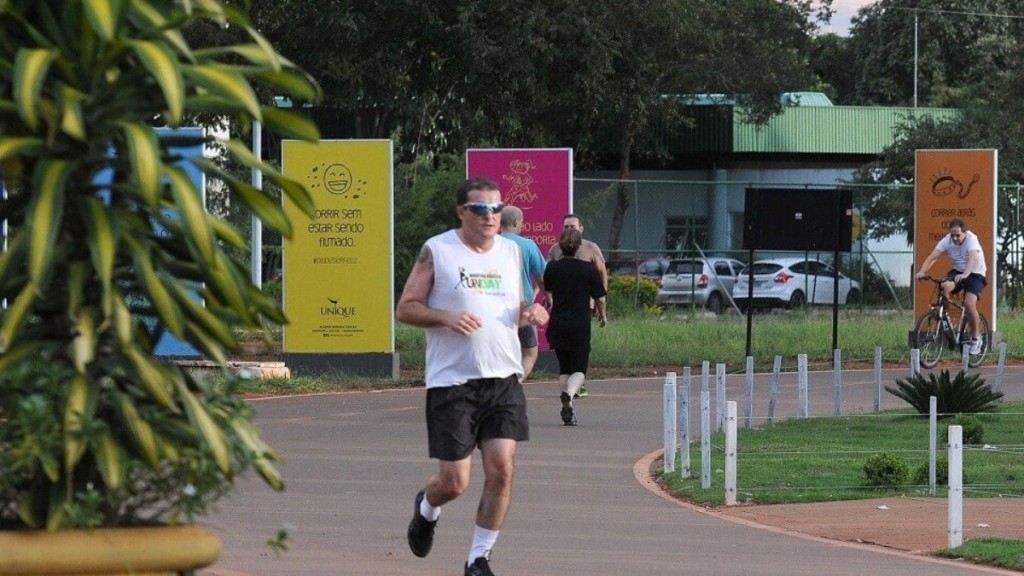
x,y
681,219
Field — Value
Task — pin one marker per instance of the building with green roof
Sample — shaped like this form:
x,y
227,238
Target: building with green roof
x,y
696,194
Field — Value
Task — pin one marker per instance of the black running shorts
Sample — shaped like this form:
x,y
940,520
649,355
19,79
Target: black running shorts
x,y
460,417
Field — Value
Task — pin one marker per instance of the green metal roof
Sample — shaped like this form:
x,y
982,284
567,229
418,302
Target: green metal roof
x,y
829,129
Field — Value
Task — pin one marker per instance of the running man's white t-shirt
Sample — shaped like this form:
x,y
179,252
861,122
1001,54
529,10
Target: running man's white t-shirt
x,y
487,285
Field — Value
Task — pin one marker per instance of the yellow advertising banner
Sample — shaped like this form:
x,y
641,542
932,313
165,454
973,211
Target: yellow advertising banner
x,y
954,184
338,276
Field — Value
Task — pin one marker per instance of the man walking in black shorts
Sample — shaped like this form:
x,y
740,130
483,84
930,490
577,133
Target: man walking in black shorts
x,y
465,291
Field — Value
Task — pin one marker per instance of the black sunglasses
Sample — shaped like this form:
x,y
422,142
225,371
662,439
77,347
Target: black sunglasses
x,y
484,208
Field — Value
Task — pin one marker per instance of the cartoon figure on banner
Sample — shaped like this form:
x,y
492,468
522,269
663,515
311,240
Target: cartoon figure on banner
x,y
946,184
337,179
520,179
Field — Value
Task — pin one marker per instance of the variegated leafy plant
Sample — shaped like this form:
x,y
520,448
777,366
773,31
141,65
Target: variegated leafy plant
x,y
95,430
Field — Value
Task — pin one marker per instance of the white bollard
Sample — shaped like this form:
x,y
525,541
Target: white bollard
x,y
748,413
801,387
670,422
933,427
730,453
837,380
705,439
956,486
915,362
720,396
1000,368
684,425
773,395
878,378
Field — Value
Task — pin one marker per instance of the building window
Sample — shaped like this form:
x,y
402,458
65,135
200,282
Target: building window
x,y
683,233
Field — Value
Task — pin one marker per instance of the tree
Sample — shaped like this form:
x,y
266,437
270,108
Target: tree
x,y
681,47
996,123
960,43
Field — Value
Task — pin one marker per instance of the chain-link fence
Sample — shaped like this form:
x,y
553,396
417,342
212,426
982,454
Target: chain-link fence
x,y
683,219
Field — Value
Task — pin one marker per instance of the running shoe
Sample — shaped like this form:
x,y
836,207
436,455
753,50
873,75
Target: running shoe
x,y
479,567
975,345
421,530
582,392
568,414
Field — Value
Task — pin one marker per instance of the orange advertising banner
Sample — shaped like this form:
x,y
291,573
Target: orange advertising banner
x,y
954,184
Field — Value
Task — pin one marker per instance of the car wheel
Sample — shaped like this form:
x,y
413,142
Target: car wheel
x,y
714,303
797,300
853,296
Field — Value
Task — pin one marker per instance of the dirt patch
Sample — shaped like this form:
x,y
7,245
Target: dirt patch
x,y
916,525
908,524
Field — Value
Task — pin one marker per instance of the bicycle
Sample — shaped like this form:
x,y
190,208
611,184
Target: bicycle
x,y
935,329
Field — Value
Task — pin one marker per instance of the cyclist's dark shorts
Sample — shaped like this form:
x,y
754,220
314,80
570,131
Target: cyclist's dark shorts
x,y
528,336
460,417
974,283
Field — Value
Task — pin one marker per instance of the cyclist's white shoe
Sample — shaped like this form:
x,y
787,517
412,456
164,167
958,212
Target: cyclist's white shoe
x,y
975,345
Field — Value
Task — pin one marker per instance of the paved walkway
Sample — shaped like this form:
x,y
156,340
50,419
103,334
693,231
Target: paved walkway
x,y
354,461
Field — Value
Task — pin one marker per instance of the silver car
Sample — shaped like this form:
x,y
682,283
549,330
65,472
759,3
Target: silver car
x,y
699,282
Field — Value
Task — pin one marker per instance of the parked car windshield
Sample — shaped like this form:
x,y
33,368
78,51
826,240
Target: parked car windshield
x,y
761,268
685,267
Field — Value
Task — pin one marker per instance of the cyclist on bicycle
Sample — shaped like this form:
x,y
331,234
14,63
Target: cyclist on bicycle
x,y
968,273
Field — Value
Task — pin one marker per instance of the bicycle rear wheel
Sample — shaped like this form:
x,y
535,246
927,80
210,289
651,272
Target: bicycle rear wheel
x,y
929,339
976,360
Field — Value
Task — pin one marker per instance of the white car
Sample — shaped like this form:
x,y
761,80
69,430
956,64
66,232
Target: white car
x,y
793,282
699,282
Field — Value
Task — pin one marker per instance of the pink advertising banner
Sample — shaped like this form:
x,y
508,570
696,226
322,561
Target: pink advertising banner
x,y
538,181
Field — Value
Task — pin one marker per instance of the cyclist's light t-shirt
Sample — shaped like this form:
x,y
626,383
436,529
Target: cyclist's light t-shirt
x,y
958,254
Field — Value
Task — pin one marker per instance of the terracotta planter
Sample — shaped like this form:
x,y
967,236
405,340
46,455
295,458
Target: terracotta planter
x,y
151,551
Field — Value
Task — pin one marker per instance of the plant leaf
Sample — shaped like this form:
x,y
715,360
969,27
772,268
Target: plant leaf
x,y
103,15
227,84
293,82
207,428
156,288
144,155
72,120
31,66
47,210
262,205
14,319
102,237
152,379
290,124
193,214
159,61
17,146
80,404
110,460
141,431
84,344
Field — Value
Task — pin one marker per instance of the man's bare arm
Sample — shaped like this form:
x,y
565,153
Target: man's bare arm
x,y
412,307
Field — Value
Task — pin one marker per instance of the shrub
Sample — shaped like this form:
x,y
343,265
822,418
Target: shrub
x,y
973,429
941,473
886,470
960,395
628,295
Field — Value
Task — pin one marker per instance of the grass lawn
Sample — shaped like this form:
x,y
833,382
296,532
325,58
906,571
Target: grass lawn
x,y
822,459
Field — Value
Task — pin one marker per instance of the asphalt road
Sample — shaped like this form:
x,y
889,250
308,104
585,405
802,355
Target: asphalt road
x,y
354,462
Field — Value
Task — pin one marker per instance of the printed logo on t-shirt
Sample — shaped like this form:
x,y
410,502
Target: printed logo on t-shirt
x,y
489,283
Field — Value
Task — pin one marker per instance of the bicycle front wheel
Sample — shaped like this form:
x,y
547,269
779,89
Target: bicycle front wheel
x,y
929,339
976,360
